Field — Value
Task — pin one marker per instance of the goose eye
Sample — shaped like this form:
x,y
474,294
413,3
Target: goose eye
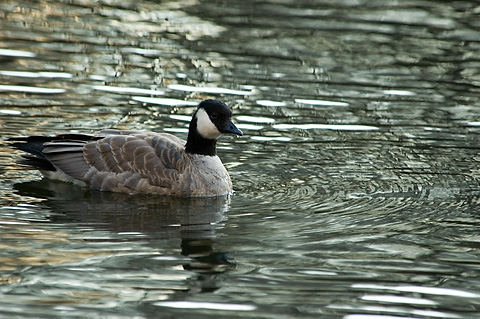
x,y
214,116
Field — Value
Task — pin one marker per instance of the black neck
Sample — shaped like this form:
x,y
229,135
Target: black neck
x,y
196,144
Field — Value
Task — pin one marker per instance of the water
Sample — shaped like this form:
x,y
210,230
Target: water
x,y
357,181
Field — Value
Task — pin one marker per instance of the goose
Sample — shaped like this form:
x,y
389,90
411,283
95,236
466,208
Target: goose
x,y
139,162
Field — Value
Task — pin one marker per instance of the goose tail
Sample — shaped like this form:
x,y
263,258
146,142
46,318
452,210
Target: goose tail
x,y
34,147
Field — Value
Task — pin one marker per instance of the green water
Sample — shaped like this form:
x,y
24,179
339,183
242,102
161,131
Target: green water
x,y
356,181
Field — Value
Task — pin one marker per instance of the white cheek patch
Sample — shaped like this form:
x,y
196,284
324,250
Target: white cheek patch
x,y
205,126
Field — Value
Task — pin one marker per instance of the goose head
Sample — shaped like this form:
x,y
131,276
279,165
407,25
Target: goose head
x,y
212,119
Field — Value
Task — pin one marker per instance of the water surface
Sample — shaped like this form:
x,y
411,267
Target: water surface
x,y
357,182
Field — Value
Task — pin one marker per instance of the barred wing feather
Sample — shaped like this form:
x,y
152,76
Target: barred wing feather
x,y
121,160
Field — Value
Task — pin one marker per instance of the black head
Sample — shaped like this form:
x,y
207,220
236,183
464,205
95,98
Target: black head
x,y
212,119
218,114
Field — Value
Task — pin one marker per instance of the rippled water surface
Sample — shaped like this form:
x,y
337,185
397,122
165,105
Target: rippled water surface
x,y
357,178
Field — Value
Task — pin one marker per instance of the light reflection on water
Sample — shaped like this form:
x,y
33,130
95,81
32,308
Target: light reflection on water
x,y
356,180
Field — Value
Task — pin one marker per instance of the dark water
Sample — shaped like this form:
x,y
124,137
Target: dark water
x,y
357,180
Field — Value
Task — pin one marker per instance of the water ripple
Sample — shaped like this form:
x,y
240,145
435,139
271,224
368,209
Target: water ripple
x,y
321,102
163,101
127,90
31,89
27,74
357,179
17,53
340,127
211,90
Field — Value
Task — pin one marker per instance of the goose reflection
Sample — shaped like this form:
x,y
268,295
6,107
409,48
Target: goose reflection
x,y
194,221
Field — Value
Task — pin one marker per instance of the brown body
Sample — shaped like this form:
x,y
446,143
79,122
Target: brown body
x,y
138,162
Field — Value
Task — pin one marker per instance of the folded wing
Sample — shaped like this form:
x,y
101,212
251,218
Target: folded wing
x,y
119,159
